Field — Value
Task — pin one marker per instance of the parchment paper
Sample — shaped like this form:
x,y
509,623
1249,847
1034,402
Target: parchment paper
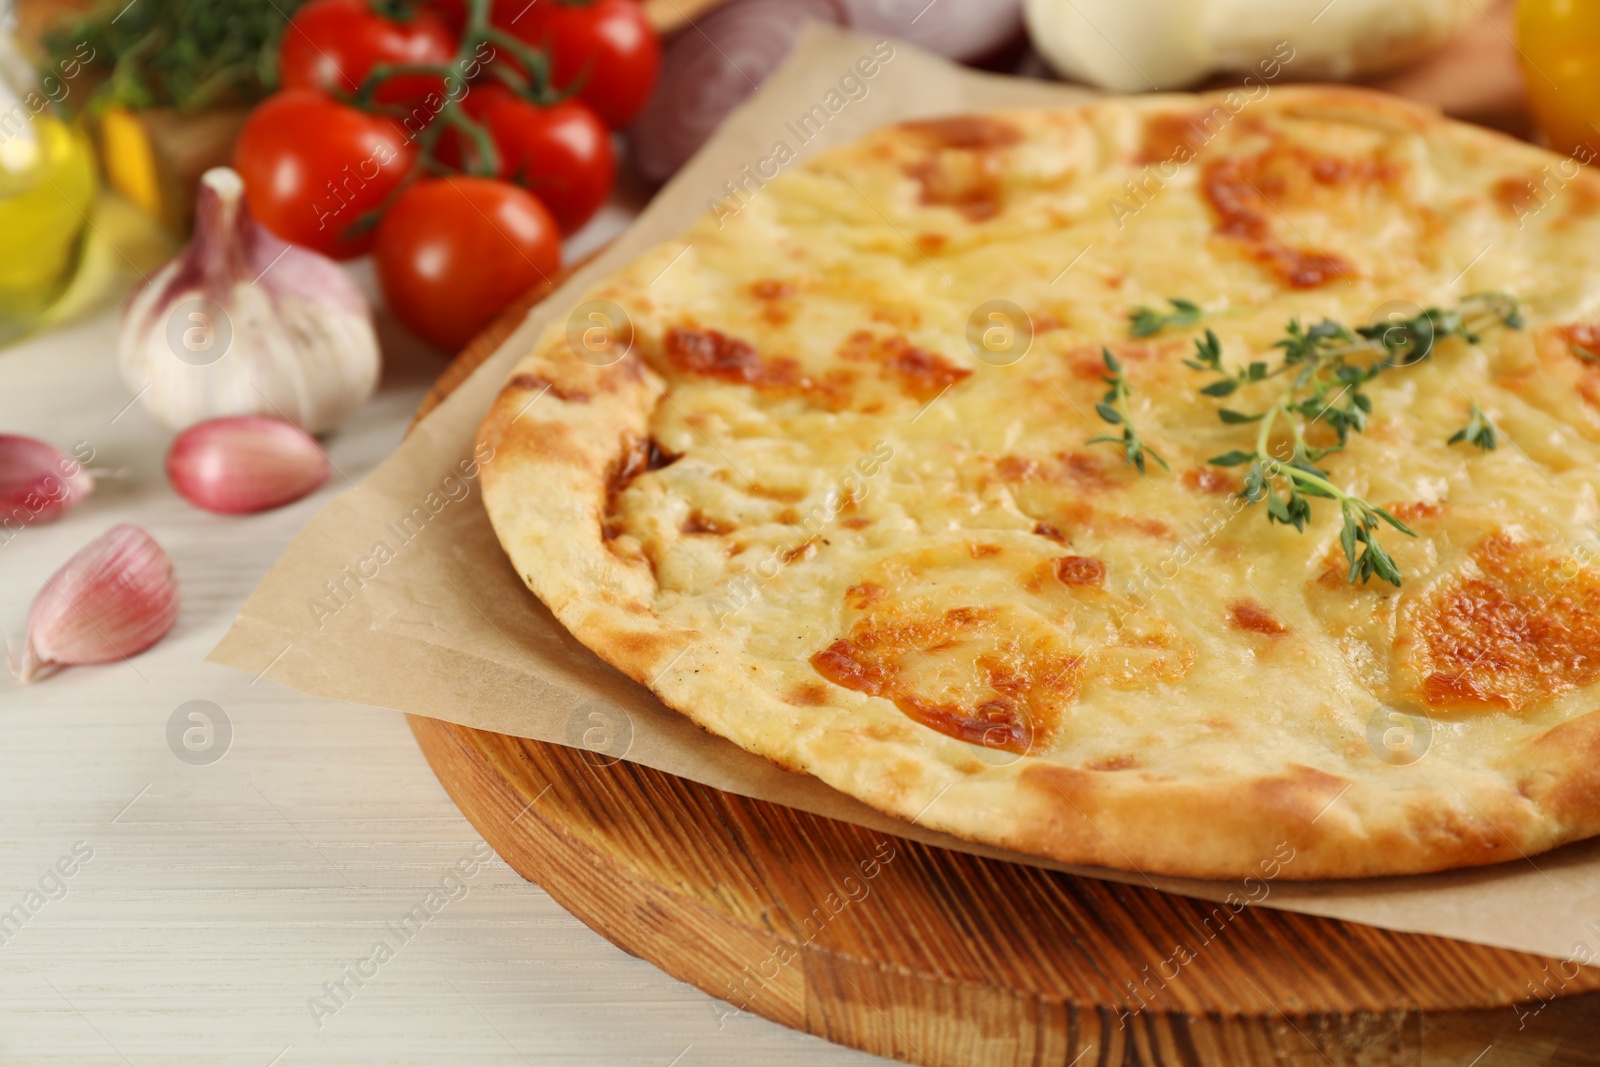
x,y
435,622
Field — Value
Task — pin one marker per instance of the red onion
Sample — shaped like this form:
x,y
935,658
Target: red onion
x,y
709,69
37,483
245,463
960,29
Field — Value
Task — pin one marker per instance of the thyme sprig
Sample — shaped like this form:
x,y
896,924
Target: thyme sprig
x,y
1147,322
1326,366
1288,485
1478,431
1114,409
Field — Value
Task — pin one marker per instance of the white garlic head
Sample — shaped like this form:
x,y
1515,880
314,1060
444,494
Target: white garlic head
x,y
241,323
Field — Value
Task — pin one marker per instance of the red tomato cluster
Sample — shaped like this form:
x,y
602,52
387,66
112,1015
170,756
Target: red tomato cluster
x,y
346,172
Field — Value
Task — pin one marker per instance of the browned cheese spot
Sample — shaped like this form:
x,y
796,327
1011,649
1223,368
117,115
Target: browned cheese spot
x,y
1005,707
699,522
772,289
807,695
915,371
1072,468
998,671
1175,136
1414,510
1212,480
772,294
864,595
965,131
714,354
1583,341
1256,618
637,651
1249,193
1516,196
801,552
964,163
534,383
781,494
1526,630
1080,570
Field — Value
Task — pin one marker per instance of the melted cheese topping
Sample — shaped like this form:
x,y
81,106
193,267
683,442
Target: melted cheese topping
x,y
872,509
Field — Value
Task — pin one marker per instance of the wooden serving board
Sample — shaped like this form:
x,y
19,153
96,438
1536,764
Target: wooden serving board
x,y
941,958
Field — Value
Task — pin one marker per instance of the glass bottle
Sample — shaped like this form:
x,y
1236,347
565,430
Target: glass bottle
x,y
47,184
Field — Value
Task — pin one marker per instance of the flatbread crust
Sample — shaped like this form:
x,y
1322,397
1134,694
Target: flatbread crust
x,y
807,515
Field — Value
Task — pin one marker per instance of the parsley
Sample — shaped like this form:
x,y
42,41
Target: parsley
x,y
187,54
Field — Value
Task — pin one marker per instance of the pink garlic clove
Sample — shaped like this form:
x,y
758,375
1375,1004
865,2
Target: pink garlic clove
x,y
37,483
114,599
245,463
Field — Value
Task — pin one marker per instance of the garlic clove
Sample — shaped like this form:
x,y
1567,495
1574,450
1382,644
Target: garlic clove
x,y
37,483
246,463
114,599
241,323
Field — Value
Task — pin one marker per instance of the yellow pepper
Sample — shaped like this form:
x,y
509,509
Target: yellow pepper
x,y
1559,43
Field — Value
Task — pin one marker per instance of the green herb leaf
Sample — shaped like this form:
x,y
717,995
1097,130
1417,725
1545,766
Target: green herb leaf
x,y
187,54
1325,366
1147,322
1478,431
1114,409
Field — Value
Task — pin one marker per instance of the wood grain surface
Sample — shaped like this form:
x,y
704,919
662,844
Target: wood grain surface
x,y
941,958
223,895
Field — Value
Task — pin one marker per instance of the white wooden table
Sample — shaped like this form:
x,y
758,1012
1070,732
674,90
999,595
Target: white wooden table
x,y
221,897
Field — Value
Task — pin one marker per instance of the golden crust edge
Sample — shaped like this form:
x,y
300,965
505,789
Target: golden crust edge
x,y
1219,828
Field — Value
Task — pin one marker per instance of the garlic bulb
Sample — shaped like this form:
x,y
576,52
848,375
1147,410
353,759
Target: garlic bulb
x,y
115,598
1144,45
243,324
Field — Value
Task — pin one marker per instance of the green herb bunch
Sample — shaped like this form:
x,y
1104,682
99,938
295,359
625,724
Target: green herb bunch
x,y
185,54
1324,369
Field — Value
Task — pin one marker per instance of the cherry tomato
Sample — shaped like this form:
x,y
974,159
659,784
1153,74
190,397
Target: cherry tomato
x,y
1559,42
313,167
453,252
333,45
453,13
561,154
604,47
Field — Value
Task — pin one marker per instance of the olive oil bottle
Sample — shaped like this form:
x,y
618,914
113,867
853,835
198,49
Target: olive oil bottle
x,y
47,184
